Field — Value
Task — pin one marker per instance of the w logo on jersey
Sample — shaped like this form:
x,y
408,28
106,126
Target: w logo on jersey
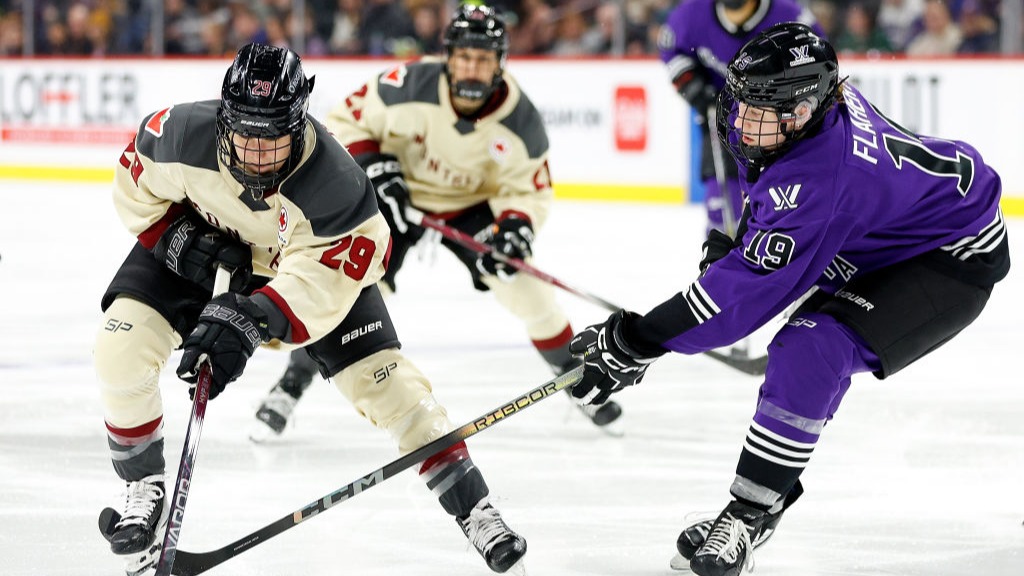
x,y
784,197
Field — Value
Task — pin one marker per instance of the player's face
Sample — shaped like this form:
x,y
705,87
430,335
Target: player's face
x,y
262,155
471,64
758,127
474,68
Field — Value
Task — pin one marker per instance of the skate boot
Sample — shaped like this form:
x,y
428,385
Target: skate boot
x,y
137,532
693,536
728,549
500,547
276,409
604,416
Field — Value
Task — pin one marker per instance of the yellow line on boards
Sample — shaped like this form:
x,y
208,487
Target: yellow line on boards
x,y
621,193
57,174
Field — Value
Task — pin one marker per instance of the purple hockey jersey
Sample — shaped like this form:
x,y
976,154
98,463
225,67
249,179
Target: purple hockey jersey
x,y
861,194
697,35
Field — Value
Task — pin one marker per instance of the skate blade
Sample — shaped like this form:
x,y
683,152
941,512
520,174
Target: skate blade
x,y
260,433
679,563
615,429
517,569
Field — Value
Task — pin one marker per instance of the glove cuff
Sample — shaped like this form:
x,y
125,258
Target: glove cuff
x,y
619,332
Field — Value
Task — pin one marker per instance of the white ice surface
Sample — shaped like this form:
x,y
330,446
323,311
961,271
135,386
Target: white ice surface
x,y
918,475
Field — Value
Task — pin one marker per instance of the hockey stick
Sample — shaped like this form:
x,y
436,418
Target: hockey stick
x,y
188,453
739,356
752,366
460,237
189,563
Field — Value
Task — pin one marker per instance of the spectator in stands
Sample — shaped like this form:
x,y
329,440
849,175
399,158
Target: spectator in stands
x,y
314,44
79,40
826,14
859,35
11,38
344,37
184,31
537,29
940,37
245,27
979,26
572,34
384,28
898,19
426,22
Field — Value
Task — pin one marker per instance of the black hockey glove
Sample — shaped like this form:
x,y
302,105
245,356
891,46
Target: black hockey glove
x,y
699,93
716,247
511,237
230,329
392,194
609,364
193,250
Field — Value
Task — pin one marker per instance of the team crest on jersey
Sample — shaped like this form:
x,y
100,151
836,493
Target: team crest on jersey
x,y
155,125
282,226
394,77
499,149
784,197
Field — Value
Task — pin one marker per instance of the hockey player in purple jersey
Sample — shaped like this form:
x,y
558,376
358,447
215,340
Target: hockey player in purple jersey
x,y
901,234
696,43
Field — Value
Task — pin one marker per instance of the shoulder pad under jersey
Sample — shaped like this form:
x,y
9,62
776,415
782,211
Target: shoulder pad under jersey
x,y
526,122
185,133
411,82
330,188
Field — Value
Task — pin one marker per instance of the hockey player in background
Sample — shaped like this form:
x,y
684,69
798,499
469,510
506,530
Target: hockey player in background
x,y
901,233
696,43
458,140
254,184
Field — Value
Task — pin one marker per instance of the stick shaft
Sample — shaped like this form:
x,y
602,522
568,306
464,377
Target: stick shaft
x,y
190,564
189,451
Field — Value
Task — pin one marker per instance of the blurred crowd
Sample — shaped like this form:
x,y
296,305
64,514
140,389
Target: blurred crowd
x,y
406,28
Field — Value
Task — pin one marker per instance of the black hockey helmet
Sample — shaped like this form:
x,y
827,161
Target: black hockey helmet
x,y
477,26
787,69
265,95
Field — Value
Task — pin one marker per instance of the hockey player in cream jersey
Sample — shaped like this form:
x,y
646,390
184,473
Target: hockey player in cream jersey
x,y
455,138
253,184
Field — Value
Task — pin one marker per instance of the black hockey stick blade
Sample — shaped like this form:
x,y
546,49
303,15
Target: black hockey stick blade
x,y
755,366
191,563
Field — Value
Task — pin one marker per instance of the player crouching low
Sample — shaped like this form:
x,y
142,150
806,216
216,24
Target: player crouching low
x,y
253,184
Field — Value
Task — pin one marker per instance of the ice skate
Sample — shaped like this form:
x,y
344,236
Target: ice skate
x,y
696,532
501,548
728,549
136,534
273,416
605,417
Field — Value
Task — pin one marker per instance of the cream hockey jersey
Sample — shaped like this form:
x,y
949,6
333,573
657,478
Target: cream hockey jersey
x,y
450,163
319,237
